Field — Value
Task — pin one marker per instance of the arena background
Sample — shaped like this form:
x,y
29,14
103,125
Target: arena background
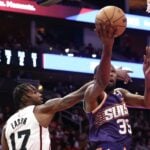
x,y
30,31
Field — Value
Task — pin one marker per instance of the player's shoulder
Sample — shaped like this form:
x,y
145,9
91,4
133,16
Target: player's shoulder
x,y
21,112
10,118
89,88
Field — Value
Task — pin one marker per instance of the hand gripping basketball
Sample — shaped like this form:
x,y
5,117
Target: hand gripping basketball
x,y
115,16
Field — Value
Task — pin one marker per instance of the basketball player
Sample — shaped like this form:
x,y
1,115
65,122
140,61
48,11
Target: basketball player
x,y
148,6
27,129
109,127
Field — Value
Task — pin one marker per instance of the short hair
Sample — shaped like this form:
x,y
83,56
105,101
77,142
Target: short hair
x,y
19,92
95,70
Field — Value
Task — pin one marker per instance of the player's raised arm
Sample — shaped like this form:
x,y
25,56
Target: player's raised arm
x,y
106,35
102,74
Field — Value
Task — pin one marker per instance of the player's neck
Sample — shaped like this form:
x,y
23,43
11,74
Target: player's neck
x,y
25,105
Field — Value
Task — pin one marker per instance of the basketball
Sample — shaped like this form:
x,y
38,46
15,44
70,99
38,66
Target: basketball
x,y
115,16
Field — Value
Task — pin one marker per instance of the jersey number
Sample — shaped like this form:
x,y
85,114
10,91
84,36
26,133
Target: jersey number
x,y
124,126
21,134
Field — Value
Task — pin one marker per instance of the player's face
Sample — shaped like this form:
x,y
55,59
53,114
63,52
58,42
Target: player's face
x,y
113,79
34,96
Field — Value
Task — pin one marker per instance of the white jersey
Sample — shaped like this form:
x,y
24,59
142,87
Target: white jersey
x,y
23,132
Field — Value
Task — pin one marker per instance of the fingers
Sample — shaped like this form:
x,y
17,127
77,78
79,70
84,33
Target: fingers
x,y
99,29
127,80
124,75
127,71
115,32
112,32
105,30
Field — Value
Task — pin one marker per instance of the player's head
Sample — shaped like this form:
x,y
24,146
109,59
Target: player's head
x,y
113,78
26,94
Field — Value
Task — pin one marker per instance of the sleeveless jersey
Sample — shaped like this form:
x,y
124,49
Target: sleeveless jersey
x,y
23,131
109,121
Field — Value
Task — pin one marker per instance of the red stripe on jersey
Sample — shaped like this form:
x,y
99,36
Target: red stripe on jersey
x,y
40,138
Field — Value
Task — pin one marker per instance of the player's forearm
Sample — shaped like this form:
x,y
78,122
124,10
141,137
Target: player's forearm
x,y
72,98
69,100
77,95
106,34
103,72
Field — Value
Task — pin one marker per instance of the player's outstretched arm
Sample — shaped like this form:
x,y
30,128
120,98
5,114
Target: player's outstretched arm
x,y
136,100
45,112
106,34
131,99
67,101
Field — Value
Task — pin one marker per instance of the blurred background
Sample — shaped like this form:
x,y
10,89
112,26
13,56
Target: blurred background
x,y
37,37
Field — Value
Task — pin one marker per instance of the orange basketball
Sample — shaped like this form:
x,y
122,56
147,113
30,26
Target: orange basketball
x,y
115,16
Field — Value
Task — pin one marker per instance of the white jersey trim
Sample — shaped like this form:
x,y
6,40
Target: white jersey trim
x,y
101,104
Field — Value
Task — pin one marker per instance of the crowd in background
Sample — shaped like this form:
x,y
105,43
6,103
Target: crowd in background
x,y
65,41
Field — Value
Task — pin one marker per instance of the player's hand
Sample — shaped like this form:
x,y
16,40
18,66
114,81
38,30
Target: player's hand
x,y
106,33
124,75
146,64
148,6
